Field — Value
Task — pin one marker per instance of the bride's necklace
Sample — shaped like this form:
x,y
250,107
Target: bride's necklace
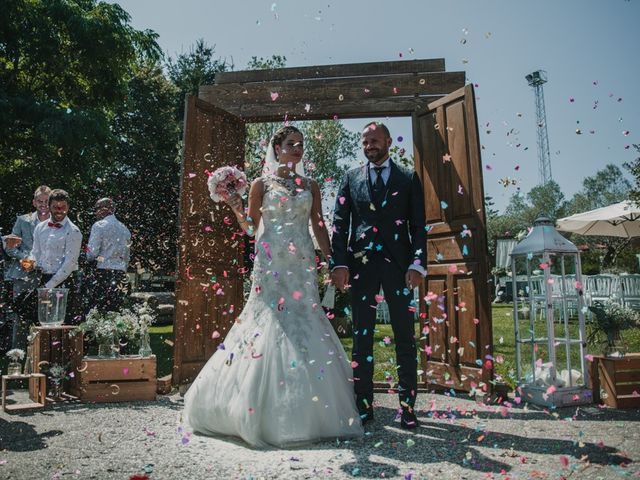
x,y
290,184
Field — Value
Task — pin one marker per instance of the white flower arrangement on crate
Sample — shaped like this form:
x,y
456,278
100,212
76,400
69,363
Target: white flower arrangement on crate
x,y
15,355
126,324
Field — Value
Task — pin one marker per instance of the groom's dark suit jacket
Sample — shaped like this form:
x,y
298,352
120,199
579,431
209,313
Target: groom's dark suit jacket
x,y
399,219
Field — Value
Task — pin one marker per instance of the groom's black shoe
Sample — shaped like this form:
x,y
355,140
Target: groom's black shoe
x,y
366,414
408,419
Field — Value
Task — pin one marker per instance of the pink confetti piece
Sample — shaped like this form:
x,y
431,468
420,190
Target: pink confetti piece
x,y
379,298
274,96
453,268
564,461
215,334
297,295
125,371
342,200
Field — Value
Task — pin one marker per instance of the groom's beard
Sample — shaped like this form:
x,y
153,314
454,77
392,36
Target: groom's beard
x,y
377,155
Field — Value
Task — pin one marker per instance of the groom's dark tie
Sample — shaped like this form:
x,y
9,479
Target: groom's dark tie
x,y
378,186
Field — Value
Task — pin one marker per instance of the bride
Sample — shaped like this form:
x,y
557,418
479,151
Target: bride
x,y
281,377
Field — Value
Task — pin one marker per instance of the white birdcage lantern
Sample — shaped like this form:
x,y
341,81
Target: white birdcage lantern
x,y
548,315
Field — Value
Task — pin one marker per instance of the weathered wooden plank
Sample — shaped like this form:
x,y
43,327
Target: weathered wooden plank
x,y
328,71
459,378
628,376
393,107
119,392
341,90
117,369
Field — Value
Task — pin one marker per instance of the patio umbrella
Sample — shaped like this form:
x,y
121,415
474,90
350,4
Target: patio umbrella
x,y
617,220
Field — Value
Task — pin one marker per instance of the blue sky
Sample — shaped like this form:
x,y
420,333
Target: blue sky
x,y
589,49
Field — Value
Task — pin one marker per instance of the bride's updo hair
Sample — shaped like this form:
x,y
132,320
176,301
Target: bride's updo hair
x,y
283,133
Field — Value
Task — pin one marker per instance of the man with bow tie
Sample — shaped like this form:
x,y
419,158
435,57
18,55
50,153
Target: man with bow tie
x,y
379,240
56,248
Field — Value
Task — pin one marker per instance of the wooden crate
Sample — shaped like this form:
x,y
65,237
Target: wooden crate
x,y
53,345
616,381
37,383
124,379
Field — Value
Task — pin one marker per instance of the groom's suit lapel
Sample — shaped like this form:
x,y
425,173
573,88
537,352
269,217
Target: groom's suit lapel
x,y
393,178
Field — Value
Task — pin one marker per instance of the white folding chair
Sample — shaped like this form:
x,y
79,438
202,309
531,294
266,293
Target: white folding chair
x,y
630,290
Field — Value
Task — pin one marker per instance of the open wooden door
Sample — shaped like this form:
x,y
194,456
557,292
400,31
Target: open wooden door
x,y
209,292
456,352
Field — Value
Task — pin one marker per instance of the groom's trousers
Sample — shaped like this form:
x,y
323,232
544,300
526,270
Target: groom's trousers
x,y
366,279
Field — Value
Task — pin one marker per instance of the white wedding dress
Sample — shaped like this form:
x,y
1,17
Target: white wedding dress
x,y
281,377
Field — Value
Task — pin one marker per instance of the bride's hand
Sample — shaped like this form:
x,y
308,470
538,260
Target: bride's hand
x,y
235,202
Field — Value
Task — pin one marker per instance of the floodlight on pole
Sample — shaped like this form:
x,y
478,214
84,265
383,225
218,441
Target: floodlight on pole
x,y
536,80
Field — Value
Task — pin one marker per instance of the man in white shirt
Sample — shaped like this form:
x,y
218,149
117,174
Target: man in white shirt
x,y
109,246
24,279
56,248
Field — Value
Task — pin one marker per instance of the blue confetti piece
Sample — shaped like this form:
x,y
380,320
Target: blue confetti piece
x,y
369,359
465,250
444,205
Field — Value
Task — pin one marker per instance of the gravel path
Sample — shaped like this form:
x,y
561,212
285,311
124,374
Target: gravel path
x,y
458,439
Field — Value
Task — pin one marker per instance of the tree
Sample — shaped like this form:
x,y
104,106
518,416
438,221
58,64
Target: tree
x,y
192,69
606,187
64,66
145,173
634,168
546,200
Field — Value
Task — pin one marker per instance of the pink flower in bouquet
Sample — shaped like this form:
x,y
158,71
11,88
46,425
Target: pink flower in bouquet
x,y
226,181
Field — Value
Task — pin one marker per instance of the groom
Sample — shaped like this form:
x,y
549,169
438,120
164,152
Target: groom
x,y
379,239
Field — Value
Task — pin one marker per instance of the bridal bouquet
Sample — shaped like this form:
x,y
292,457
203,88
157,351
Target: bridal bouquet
x,y
225,182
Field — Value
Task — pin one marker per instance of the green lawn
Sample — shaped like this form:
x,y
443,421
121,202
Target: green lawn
x,y
503,336
384,354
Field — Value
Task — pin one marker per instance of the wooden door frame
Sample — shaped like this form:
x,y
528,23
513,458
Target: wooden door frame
x,y
364,90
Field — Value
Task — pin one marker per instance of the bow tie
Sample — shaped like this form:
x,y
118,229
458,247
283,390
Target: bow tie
x,y
54,225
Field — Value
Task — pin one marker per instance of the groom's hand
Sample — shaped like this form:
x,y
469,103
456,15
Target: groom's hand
x,y
412,279
340,278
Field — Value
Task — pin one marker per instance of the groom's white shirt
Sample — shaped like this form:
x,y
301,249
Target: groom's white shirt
x,y
386,172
